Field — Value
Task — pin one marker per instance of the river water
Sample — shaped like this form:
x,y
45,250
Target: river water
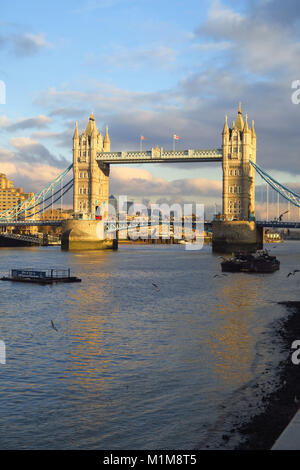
x,y
134,366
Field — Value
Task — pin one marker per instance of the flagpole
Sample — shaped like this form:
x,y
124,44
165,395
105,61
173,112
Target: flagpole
x,y
173,144
141,144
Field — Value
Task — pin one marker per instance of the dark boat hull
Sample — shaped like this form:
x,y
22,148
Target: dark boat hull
x,y
42,280
251,264
230,267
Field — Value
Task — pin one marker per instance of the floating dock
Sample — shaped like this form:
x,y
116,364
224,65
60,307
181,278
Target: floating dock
x,y
46,276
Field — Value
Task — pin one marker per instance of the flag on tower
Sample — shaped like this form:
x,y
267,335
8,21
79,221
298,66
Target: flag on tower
x,y
141,142
175,137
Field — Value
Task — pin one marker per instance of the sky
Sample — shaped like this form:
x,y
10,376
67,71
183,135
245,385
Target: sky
x,y
152,68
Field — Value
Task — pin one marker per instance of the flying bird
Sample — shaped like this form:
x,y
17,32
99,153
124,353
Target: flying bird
x,y
53,326
292,273
156,286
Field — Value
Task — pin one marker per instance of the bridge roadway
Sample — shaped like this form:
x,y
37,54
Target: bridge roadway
x,y
29,223
277,224
159,155
122,225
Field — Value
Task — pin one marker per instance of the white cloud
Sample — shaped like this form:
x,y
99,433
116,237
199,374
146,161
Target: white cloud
x,y
256,43
4,121
21,142
40,121
137,182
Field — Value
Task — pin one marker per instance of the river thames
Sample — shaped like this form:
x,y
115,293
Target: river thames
x,y
135,365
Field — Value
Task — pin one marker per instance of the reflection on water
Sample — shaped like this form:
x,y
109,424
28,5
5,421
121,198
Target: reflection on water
x,y
130,366
232,340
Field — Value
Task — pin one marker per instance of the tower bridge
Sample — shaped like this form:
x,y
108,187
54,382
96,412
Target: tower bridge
x,y
92,159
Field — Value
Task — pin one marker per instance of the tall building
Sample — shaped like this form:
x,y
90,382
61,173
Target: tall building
x,y
91,180
239,146
10,196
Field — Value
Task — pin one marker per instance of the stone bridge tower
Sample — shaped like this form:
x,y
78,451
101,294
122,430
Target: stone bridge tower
x,y
239,146
91,180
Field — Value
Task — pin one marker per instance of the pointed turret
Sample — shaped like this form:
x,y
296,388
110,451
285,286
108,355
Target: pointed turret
x,y
106,146
246,127
76,133
239,120
226,128
91,125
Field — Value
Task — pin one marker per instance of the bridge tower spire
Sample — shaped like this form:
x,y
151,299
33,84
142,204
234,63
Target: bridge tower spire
x,y
91,180
239,146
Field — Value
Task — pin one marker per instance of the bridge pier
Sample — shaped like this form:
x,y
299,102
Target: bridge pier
x,y
85,235
237,235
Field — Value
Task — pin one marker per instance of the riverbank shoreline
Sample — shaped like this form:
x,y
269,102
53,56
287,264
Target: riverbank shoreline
x,y
264,428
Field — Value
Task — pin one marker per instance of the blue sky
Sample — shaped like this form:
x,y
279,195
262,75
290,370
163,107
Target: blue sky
x,y
153,68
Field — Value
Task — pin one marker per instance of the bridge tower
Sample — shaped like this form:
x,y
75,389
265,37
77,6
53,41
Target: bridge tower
x,y
91,180
239,146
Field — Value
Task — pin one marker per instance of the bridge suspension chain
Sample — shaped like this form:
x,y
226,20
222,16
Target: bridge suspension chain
x,y
66,188
40,197
285,192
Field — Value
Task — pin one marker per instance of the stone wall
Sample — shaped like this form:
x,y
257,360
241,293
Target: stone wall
x,y
236,236
85,235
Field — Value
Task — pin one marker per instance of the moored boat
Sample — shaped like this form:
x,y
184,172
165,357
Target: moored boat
x,y
260,262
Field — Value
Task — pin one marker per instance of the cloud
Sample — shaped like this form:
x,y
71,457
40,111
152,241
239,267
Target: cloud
x,y
195,110
23,142
4,122
212,46
28,44
30,175
247,53
139,183
62,139
256,43
39,122
23,44
103,96
69,112
31,151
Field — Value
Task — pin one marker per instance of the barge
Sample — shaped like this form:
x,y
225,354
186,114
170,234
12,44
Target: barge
x,y
260,262
45,276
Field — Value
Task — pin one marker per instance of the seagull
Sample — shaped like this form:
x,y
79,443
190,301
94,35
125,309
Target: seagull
x,y
156,286
292,273
53,326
